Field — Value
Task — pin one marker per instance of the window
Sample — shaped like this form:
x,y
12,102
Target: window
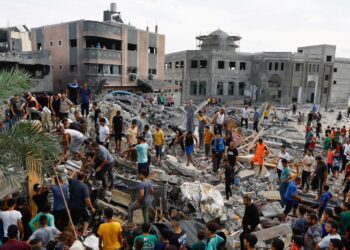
x,y
334,82
51,43
170,65
241,88
177,65
73,43
335,70
325,90
203,64
300,51
132,47
59,43
232,65
329,58
326,77
166,66
257,66
202,88
282,66
220,88
242,66
314,68
60,67
297,66
231,88
176,82
73,68
276,66
193,88
194,64
152,50
132,70
221,64
182,64
152,71
309,68
270,66
38,46
318,68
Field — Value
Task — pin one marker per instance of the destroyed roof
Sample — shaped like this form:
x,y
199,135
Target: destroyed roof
x,y
157,85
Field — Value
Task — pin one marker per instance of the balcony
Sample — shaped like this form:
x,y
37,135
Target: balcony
x,y
99,29
102,56
111,80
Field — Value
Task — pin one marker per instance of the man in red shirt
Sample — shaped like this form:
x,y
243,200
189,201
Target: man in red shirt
x,y
12,243
342,135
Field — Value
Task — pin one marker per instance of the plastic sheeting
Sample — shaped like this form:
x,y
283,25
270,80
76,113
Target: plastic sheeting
x,y
206,198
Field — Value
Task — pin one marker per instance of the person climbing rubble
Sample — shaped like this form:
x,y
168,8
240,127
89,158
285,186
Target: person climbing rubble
x,y
259,156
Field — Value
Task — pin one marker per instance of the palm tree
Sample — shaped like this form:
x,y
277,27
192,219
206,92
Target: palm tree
x,y
24,149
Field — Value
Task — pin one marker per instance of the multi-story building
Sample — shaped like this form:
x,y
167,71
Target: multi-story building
x,y
109,53
15,52
218,70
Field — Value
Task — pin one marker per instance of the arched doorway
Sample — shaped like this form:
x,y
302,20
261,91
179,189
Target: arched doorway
x,y
310,91
274,88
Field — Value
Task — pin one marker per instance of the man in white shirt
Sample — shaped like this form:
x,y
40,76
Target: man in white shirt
x,y
103,133
346,157
218,121
11,217
245,116
332,229
282,155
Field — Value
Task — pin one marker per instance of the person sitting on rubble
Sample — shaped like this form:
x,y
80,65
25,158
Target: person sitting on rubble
x,y
291,198
260,153
144,199
250,241
190,138
178,138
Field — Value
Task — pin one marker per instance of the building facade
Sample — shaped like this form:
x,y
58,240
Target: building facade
x,y
15,52
218,70
108,55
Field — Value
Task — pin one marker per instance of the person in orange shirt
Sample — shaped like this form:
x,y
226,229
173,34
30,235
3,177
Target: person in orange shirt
x,y
208,138
259,156
330,156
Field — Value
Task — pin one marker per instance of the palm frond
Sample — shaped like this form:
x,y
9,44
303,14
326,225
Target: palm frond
x,y
12,82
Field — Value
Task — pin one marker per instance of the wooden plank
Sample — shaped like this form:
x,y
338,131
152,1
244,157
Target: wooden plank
x,y
121,198
251,144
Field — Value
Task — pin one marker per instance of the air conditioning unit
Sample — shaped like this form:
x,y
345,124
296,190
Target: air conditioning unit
x,y
150,76
132,76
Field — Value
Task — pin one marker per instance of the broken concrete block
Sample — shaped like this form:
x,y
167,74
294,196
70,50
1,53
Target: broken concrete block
x,y
121,198
273,232
273,209
271,195
246,173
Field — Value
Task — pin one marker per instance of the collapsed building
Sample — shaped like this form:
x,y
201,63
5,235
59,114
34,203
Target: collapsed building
x,y
15,52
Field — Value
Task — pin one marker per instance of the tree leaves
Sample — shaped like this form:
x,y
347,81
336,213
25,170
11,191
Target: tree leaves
x,y
12,82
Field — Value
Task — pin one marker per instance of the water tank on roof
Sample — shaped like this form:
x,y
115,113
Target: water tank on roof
x,y
114,7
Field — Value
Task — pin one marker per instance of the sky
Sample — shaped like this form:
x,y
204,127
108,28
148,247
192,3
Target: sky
x,y
264,25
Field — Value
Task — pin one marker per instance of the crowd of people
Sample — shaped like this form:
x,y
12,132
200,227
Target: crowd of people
x,y
318,227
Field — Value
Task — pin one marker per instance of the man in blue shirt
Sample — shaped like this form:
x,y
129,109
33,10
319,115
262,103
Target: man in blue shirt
x,y
85,97
323,203
142,154
291,198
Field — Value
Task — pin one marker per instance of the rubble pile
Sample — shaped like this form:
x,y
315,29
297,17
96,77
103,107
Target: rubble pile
x,y
194,190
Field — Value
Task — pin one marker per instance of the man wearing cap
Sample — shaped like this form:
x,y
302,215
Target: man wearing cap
x,y
142,154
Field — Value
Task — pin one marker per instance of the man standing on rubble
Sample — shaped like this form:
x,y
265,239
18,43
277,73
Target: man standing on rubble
x,y
250,219
282,155
144,200
202,122
291,198
320,175
104,163
132,138
256,119
118,127
245,116
190,116
142,154
218,120
159,143
259,156
285,178
218,148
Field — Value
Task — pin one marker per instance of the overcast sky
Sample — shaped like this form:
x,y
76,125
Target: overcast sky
x,y
265,25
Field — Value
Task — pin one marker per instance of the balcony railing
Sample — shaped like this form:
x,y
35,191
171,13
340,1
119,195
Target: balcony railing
x,y
92,28
102,56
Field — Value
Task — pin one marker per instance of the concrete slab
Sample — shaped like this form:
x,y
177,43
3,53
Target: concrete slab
x,y
246,173
272,209
271,195
273,232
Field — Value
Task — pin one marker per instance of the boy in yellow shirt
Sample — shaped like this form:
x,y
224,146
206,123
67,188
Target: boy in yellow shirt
x,y
158,142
